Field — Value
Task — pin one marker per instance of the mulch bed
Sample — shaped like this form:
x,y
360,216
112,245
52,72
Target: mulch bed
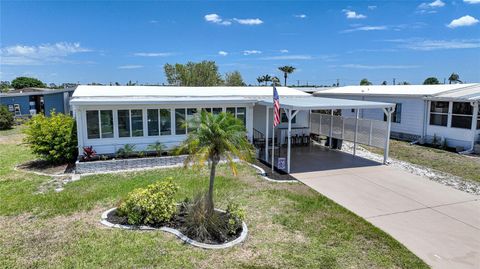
x,y
47,168
277,174
178,223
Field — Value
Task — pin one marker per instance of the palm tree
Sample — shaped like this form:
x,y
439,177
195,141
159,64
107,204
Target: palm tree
x,y
212,138
286,70
454,78
275,81
260,80
267,78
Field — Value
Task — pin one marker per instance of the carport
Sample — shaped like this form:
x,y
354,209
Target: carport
x,y
364,131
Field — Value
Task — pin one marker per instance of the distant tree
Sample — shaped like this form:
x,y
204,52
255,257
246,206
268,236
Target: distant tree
x,y
117,84
234,79
27,82
267,78
260,80
431,81
275,81
5,86
384,82
204,73
365,82
404,83
454,78
286,71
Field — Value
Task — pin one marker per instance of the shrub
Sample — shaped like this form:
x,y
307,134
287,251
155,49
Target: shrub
x,y
89,153
6,118
53,138
126,151
236,215
157,147
151,205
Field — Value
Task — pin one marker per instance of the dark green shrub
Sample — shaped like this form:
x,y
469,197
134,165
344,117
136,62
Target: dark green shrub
x,y
151,205
6,118
53,138
236,215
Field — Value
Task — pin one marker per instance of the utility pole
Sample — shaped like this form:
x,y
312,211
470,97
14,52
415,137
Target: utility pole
x,y
393,81
338,82
298,83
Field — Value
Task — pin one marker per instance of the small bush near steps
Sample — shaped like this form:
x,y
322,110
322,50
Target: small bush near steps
x,y
6,118
151,205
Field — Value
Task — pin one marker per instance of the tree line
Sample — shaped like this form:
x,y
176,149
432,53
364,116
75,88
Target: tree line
x,y
453,79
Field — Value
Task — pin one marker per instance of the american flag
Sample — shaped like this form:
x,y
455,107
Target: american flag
x,y
276,107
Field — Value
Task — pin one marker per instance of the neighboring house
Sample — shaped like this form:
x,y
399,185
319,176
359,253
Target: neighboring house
x,y
30,101
447,112
109,117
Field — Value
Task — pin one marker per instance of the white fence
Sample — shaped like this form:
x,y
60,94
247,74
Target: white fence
x,y
369,132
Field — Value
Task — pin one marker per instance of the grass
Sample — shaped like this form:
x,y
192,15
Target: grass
x,y
290,226
449,162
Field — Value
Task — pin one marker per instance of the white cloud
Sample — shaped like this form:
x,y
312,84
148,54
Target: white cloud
x,y
300,16
353,15
366,28
132,66
429,45
434,4
372,67
215,18
153,21
288,57
36,55
153,54
372,7
256,21
250,52
463,21
284,51
472,1
222,53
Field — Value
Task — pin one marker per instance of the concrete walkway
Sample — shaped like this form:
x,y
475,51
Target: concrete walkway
x,y
439,224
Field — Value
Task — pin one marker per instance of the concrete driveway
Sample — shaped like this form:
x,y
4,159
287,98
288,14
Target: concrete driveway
x,y
439,224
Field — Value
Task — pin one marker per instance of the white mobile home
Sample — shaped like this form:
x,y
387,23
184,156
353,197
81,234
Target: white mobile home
x,y
447,112
109,117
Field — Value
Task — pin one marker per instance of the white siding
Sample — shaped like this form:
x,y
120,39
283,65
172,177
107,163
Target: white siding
x,y
412,116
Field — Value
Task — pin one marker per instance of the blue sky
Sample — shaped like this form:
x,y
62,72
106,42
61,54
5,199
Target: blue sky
x,y
109,41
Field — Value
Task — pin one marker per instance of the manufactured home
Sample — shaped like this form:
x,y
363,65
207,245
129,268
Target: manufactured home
x,y
31,101
109,117
448,113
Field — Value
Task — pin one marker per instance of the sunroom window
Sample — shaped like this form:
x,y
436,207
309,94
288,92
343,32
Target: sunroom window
x,y
99,124
93,128
180,121
439,113
462,113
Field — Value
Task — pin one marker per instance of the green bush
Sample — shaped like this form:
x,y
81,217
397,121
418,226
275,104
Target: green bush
x,y
126,151
53,138
6,118
151,205
236,215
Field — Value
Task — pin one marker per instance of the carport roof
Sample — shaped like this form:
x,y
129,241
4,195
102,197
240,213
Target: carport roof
x,y
319,103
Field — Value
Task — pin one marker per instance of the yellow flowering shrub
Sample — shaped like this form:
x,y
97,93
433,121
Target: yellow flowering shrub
x,y
151,205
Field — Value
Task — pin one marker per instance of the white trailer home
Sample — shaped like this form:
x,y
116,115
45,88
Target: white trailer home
x,y
448,112
109,117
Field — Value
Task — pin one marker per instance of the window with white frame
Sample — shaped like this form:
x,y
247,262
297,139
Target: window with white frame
x,y
439,113
99,124
130,122
396,115
159,122
180,126
238,112
462,113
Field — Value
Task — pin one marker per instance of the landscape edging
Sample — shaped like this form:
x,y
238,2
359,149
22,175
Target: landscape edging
x,y
263,174
176,232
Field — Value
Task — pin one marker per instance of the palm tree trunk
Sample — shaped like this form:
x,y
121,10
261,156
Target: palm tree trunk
x,y
213,168
285,76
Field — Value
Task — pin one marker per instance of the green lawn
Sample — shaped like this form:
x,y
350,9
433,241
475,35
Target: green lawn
x,y
290,226
441,160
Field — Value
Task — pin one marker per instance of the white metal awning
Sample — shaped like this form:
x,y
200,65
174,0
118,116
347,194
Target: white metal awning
x,y
320,103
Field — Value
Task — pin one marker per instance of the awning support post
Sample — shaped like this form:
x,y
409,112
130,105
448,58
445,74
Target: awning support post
x,y
266,133
388,112
356,131
331,130
474,121
289,135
